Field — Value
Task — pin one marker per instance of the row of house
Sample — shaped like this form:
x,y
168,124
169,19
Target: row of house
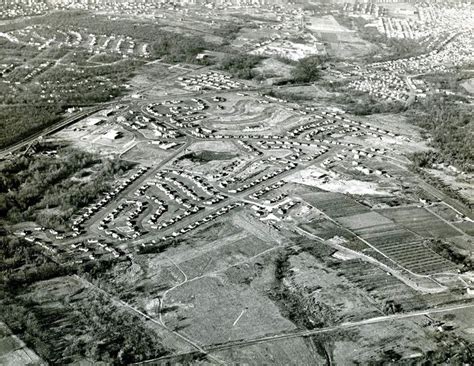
x,y
265,177
45,37
206,219
210,80
268,189
24,8
108,197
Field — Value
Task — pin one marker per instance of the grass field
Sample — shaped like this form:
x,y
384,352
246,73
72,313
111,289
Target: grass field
x,y
297,351
207,309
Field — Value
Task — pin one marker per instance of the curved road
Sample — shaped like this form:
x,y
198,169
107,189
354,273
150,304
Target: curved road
x,y
309,333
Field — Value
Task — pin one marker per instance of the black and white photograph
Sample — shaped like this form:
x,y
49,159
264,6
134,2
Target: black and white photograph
x,y
237,182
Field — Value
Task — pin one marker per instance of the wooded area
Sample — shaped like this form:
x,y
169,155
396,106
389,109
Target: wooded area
x,y
40,188
450,127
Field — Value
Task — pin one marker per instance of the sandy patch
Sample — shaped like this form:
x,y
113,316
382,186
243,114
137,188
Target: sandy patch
x,y
469,85
316,177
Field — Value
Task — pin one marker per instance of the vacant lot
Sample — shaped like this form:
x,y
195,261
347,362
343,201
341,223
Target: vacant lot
x,y
296,351
208,310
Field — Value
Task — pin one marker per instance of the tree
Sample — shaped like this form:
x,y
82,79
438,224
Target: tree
x,y
307,69
241,66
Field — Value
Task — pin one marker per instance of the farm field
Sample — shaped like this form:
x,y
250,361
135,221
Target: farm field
x,y
422,222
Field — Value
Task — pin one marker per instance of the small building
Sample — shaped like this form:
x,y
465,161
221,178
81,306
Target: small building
x,y
113,135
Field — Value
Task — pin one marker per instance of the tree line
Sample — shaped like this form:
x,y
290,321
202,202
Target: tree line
x,y
41,188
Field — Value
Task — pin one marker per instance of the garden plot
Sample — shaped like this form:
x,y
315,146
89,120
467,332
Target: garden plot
x,y
328,230
375,228
394,241
420,221
417,258
364,222
380,232
334,204
381,286
466,226
399,244
446,212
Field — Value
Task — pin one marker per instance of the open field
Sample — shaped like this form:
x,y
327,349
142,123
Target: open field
x,y
342,42
227,301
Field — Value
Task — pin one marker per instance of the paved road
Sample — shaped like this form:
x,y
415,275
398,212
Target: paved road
x,y
309,333
93,220
237,197
51,129
122,303
456,205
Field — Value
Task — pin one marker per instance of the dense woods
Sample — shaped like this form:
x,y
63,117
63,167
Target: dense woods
x,y
241,66
307,70
48,189
450,127
101,331
363,104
